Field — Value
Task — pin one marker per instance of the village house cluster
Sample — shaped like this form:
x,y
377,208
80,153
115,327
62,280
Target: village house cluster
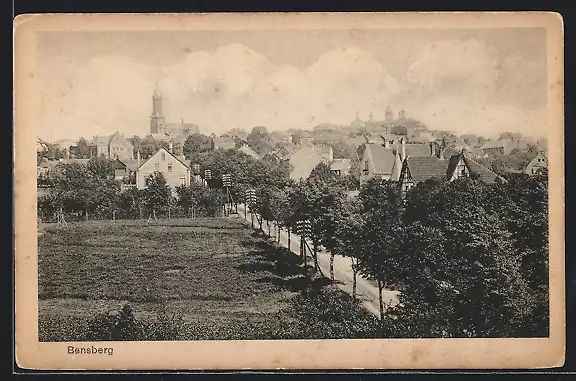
x,y
400,149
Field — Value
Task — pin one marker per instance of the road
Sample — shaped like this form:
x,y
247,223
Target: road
x,y
366,290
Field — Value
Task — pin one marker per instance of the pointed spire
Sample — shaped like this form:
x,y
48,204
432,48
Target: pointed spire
x,y
157,93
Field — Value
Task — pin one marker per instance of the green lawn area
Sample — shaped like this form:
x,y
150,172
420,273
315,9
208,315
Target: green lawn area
x,y
225,280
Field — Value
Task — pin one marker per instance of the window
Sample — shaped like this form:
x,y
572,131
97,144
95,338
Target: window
x,y
163,156
157,166
182,180
169,167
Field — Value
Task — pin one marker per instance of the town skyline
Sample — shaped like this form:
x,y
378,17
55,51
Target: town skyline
x,y
469,81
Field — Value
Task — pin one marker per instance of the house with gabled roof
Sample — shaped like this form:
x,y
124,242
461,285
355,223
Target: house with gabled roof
x,y
176,171
113,146
538,164
384,160
246,149
447,165
306,157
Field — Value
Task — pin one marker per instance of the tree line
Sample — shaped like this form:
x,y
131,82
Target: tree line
x,y
469,259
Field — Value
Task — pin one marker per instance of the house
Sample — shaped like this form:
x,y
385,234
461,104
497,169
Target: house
x,y
113,146
341,167
442,166
176,171
125,169
381,159
246,149
306,157
538,164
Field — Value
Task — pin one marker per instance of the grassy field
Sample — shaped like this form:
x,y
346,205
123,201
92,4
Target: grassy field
x,y
223,279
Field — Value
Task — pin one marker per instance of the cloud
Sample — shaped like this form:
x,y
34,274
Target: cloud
x,y
452,85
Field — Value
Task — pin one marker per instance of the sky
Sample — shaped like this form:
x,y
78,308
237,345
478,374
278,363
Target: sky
x,y
479,81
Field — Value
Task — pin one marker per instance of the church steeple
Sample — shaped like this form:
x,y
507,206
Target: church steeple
x,y
389,114
157,117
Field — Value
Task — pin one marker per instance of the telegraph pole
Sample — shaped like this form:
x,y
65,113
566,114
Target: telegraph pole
x,y
251,202
227,182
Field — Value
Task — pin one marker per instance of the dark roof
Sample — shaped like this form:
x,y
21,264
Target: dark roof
x,y
417,149
426,167
452,164
483,173
131,164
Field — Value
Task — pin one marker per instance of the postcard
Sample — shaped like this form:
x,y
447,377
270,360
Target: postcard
x,y
256,191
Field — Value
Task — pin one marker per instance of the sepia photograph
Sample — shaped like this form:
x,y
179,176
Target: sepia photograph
x,y
289,191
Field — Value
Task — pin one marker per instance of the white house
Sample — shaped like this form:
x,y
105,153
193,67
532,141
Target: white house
x,y
175,171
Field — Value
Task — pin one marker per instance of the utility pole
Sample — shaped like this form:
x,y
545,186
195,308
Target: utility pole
x,y
227,183
207,176
251,202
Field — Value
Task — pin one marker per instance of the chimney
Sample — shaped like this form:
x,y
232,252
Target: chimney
x,y
403,143
171,147
138,158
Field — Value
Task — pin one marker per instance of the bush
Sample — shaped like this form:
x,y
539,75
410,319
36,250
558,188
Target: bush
x,y
125,327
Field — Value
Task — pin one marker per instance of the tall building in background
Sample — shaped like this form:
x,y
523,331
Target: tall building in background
x,y
163,130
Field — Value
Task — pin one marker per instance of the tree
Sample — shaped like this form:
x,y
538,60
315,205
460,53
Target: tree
x,y
380,255
149,146
157,194
197,144
522,204
322,173
100,167
259,140
83,150
342,150
79,189
343,233
477,262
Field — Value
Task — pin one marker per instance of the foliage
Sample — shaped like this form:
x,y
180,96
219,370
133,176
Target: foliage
x,y
259,140
157,196
124,326
197,144
200,200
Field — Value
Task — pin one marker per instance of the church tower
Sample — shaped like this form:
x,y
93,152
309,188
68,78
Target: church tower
x,y
389,114
157,117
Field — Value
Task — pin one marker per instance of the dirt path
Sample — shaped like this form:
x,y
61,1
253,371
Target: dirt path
x,y
366,290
